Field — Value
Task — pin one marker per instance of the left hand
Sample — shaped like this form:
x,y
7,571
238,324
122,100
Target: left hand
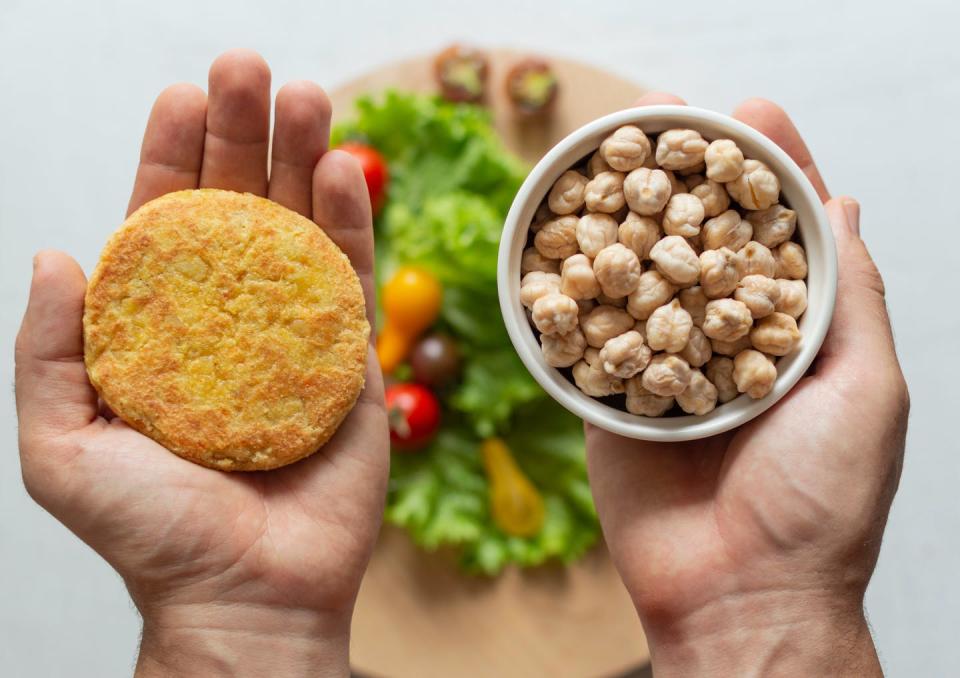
x,y
234,574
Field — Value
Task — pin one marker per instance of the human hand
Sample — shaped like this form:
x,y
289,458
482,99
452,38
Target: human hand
x,y
749,553
236,574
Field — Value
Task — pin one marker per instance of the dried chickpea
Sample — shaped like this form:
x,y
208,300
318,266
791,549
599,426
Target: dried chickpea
x,y
724,160
792,299
698,349
666,375
618,270
532,260
755,259
644,402
726,230
720,372
676,261
541,216
676,183
536,284
718,272
754,373
591,355
680,148
604,193
683,215
594,381
759,293
668,328
777,334
727,320
596,165
605,322
713,196
699,397
626,149
555,313
646,191
639,234
790,261
756,188
625,355
594,232
694,302
699,168
566,196
773,225
731,348
619,302
694,180
558,238
696,244
563,350
577,279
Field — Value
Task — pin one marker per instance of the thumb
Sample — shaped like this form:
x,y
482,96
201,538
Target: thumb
x,y
53,393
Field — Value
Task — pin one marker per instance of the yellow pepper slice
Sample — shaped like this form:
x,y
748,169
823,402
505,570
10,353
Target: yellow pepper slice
x,y
515,504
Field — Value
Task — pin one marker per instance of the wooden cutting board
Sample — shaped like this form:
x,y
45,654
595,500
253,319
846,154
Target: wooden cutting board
x,y
418,615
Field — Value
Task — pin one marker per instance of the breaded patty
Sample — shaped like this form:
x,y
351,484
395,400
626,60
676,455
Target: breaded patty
x,y
226,327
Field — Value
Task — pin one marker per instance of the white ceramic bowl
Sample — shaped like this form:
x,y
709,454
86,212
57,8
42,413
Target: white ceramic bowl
x,y
796,191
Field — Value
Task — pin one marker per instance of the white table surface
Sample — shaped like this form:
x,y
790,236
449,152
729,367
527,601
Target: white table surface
x,y
874,89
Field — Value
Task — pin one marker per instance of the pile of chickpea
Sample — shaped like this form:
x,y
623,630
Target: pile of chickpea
x,y
666,270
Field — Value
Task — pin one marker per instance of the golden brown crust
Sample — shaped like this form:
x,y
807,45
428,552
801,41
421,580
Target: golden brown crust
x,y
226,327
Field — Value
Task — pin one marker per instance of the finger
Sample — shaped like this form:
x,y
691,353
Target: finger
x,y
300,136
341,206
53,393
172,146
238,124
654,98
773,122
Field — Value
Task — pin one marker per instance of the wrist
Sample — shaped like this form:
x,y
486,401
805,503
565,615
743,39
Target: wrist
x,y
240,639
765,634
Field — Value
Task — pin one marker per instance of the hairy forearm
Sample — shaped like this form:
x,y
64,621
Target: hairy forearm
x,y
242,640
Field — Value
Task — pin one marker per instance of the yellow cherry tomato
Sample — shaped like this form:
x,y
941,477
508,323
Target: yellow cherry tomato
x,y
411,303
515,504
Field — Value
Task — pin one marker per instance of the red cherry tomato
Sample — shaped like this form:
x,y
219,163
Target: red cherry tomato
x,y
413,414
374,171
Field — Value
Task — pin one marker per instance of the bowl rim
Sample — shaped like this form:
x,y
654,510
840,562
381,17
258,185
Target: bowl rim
x,y
686,427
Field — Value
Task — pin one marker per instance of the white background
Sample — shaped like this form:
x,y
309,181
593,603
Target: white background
x,y
873,85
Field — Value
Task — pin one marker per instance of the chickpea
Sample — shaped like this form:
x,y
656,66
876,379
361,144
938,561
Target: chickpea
x,y
594,232
596,165
641,327
541,216
558,238
698,349
647,191
792,299
694,302
536,284
617,269
713,196
754,373
790,261
668,328
625,355
563,350
676,261
773,225
724,160
676,183
619,302
680,148
577,280
720,372
594,381
731,348
700,397
756,188
605,322
604,193
726,230
696,243
644,402
591,355
555,313
727,320
718,272
694,180
777,334
683,215
759,293
626,149
755,259
639,234
566,196
666,375
699,168
532,260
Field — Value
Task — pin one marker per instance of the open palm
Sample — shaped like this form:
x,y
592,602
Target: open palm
x,y
182,535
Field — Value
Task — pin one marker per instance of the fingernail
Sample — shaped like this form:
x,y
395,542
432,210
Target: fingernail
x,y
852,209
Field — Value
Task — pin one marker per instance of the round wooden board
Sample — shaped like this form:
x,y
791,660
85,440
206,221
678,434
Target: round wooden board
x,y
418,615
